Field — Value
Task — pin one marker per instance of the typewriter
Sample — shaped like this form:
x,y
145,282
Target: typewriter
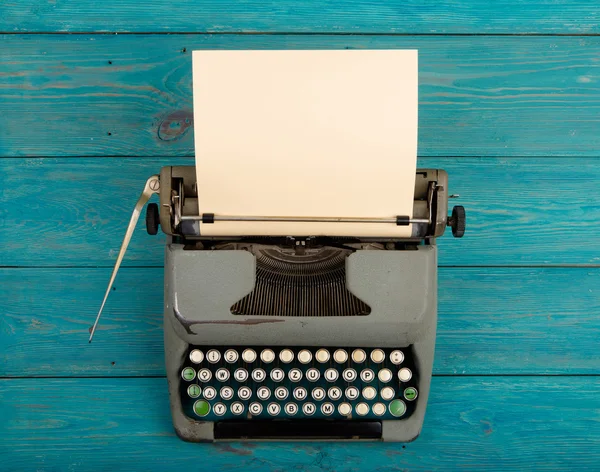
x,y
287,338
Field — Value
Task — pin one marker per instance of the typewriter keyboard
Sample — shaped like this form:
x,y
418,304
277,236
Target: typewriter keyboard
x,y
258,382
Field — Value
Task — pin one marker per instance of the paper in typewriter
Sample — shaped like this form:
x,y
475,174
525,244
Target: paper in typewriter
x,y
306,133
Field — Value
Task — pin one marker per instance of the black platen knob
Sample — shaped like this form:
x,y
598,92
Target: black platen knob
x,y
458,221
153,220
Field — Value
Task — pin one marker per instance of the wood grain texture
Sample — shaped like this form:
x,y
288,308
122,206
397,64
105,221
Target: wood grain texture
x,y
329,16
129,95
478,423
491,321
521,211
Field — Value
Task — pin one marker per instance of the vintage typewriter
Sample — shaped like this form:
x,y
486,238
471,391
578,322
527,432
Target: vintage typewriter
x,y
297,338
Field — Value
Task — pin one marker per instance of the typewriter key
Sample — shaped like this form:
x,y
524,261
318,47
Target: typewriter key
x,y
377,356
335,393
281,393
340,356
404,374
196,356
255,408
241,375
273,409
194,391
322,355
397,408
387,393
304,356
359,356
226,393
263,393
210,393
222,375
318,393
188,374
313,374
267,356
286,356
213,356
204,375
349,375
309,409
362,409
385,375
231,356
237,408
291,409
249,355
244,393
295,375
219,409
331,375
258,375
369,393
277,375
344,409
352,393
327,409
300,393
367,375
397,357
379,409
201,408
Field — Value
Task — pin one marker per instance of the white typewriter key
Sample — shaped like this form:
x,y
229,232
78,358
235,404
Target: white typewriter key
x,y
258,375
377,356
267,356
286,356
369,393
196,356
249,355
304,356
222,375
237,408
313,374
210,393
367,375
318,393
335,393
291,409
263,393
322,355
340,356
359,356
255,408
204,375
349,375
277,375
387,393
231,356
327,409
331,375
295,375
213,356
241,375
385,375
362,409
352,393
244,393
194,391
404,374
226,393
273,409
379,409
281,393
300,393
397,357
344,409
309,409
219,409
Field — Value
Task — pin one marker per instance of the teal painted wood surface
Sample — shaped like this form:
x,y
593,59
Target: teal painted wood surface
x,y
491,321
129,95
478,423
330,16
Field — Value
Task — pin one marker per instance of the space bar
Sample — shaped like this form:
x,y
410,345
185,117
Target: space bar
x,y
303,429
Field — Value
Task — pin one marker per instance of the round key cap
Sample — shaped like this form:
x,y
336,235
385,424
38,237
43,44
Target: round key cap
x,y
213,356
210,393
241,375
335,393
318,393
369,393
263,393
196,356
397,357
327,408
397,408
281,393
188,374
410,393
277,375
255,408
367,375
286,356
258,375
379,409
194,391
344,409
304,356
291,409
295,375
362,409
226,393
349,375
340,356
237,408
267,356
404,374
204,375
387,393
359,356
222,375
300,393
273,409
385,375
249,355
201,408
313,374
322,355
331,375
352,393
244,393
309,409
219,409
231,356
377,356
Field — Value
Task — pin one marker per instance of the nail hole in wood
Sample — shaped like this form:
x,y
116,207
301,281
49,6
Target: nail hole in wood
x,y
110,62
184,50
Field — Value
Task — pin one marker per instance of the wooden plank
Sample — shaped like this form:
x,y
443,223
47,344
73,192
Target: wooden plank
x,y
114,95
356,16
491,321
74,212
534,423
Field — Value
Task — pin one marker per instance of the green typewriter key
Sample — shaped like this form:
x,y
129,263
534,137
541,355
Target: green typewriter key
x,y
201,408
188,374
410,393
397,408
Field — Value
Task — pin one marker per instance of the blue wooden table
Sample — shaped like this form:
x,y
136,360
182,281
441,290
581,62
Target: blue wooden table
x,y
509,106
